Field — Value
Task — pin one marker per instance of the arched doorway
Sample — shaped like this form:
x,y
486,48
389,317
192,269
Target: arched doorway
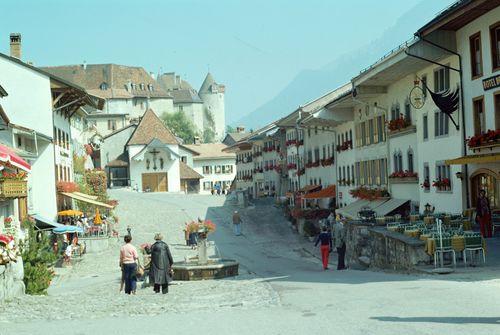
x,y
489,181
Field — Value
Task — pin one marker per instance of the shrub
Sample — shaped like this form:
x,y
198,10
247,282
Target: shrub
x,y
38,259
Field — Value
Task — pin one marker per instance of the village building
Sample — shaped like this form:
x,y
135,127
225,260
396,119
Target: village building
x,y
129,91
217,167
234,137
471,29
39,128
148,157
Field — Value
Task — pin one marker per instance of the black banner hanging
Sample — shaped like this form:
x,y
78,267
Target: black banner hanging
x,y
447,102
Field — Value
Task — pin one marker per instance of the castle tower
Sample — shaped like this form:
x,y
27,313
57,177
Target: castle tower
x,y
212,95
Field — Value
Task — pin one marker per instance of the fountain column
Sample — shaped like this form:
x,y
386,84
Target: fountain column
x,y
202,252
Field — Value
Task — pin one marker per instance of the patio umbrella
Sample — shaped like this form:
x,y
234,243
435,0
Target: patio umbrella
x,y
67,229
97,219
70,212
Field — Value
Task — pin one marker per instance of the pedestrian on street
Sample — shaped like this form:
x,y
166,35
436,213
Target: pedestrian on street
x,y
338,232
237,223
128,261
326,246
161,265
483,214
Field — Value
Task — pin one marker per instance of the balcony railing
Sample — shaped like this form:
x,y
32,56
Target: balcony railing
x,y
12,188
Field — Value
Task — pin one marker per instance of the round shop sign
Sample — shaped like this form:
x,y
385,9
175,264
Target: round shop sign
x,y
417,97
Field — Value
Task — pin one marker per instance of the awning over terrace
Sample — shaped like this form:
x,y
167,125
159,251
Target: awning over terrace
x,y
86,198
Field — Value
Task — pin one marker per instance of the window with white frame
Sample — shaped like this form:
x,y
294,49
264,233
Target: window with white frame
x,y
441,79
207,185
441,124
443,172
410,160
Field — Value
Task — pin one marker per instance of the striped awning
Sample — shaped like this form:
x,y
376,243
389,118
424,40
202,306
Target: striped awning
x,y
475,159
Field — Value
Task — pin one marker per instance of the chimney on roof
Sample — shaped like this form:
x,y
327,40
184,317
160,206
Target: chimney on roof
x,y
15,45
196,140
84,65
152,74
240,129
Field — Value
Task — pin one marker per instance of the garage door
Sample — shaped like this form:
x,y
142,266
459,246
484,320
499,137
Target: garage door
x,y
154,182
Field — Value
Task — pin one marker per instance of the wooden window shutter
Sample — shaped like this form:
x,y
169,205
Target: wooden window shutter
x,y
375,130
377,170
383,128
367,132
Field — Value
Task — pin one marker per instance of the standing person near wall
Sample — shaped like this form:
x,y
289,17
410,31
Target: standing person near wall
x,y
483,214
128,261
237,223
338,232
326,245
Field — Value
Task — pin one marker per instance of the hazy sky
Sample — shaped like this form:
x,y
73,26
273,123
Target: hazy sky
x,y
253,47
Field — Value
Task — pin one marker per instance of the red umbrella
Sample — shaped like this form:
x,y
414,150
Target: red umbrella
x,y
8,155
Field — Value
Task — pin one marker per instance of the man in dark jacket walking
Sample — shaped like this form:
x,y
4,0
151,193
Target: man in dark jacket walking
x,y
161,265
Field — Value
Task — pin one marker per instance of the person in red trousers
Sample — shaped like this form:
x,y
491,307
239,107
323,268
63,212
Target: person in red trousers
x,y
483,214
326,246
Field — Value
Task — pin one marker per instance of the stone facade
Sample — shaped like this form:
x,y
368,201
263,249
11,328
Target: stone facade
x,y
376,247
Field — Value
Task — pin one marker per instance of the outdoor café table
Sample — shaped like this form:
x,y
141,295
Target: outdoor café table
x,y
412,233
458,243
467,225
430,246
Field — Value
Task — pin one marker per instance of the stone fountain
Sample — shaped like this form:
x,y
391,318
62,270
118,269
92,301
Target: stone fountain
x,y
204,267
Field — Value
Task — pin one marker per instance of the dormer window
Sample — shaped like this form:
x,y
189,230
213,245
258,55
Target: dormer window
x,y
150,87
141,86
103,86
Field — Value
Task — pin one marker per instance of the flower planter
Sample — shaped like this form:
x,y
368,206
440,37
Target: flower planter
x,y
403,131
405,180
11,188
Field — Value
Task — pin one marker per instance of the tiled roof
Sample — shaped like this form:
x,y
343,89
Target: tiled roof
x,y
237,136
117,78
181,90
170,81
188,173
185,96
210,150
149,128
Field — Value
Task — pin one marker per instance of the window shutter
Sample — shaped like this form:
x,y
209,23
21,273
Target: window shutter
x,y
383,128
367,133
375,130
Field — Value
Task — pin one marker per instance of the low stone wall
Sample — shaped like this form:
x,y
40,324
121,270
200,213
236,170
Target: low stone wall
x,y
11,280
376,247
95,244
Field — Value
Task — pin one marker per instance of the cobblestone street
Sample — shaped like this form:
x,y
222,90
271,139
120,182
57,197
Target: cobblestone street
x,y
278,278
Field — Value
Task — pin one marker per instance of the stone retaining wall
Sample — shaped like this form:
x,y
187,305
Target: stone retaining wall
x,y
11,280
376,247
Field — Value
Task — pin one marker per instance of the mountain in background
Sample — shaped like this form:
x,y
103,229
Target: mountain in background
x,y
311,84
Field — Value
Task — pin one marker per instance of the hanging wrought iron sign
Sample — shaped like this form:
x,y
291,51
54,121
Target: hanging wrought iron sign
x,y
417,97
447,101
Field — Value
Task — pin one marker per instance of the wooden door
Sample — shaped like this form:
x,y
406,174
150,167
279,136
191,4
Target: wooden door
x,y
23,208
162,182
154,182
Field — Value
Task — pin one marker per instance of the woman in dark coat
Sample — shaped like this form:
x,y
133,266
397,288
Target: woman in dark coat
x,y
161,265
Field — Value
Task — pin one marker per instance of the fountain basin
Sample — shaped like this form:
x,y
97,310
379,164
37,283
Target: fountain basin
x,y
214,269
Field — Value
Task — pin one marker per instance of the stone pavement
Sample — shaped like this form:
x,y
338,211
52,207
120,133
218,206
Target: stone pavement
x,y
281,289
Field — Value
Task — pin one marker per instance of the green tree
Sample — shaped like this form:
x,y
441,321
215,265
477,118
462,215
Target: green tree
x,y
180,125
38,259
230,129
